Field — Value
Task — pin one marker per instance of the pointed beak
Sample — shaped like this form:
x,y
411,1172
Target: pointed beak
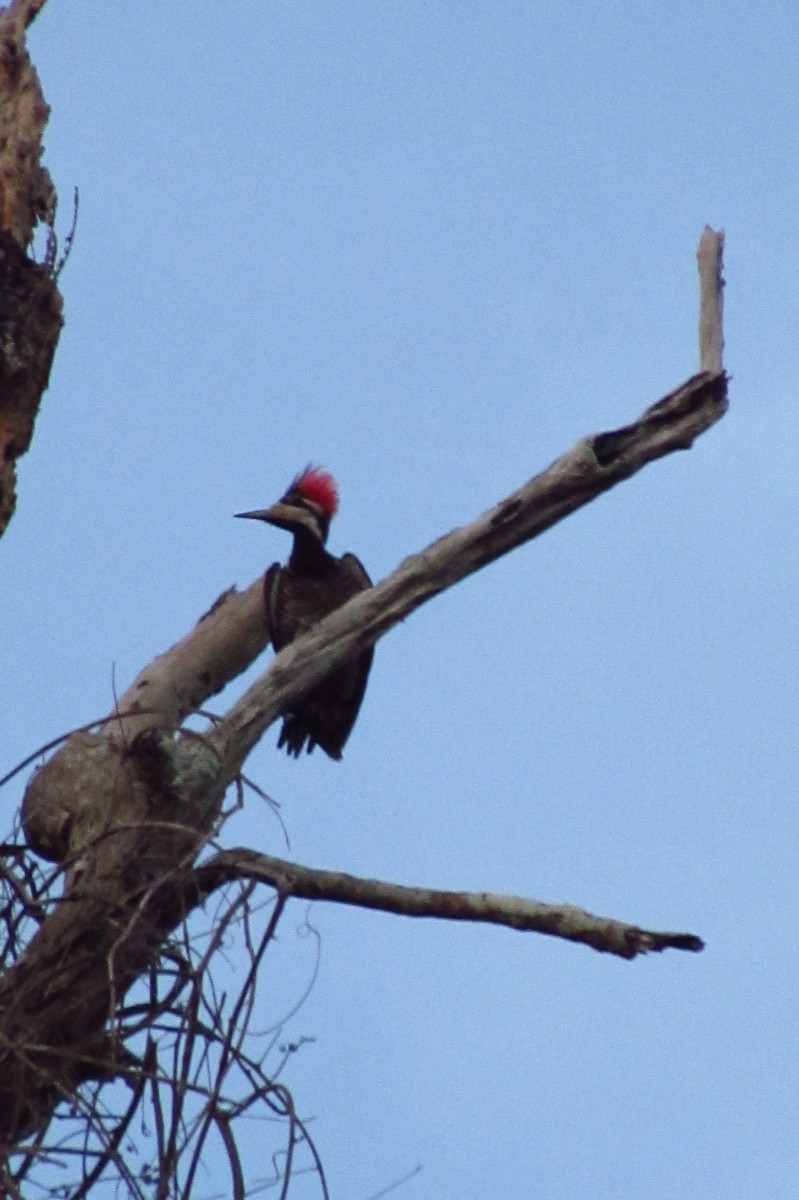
x,y
278,514
262,514
258,514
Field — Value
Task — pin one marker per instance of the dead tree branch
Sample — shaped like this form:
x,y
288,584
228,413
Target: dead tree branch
x,y
595,465
558,920
709,257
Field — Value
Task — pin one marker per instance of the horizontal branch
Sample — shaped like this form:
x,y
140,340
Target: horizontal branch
x,y
557,920
595,465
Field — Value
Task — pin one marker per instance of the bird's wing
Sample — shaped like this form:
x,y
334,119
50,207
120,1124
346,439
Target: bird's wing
x,y
358,669
358,573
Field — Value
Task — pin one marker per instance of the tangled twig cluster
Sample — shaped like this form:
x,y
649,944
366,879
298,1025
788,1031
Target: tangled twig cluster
x,y
186,1072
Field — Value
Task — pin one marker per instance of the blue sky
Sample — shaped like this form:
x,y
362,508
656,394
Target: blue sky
x,y
431,246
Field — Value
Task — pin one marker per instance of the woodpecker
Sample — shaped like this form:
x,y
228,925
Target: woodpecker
x,y
296,596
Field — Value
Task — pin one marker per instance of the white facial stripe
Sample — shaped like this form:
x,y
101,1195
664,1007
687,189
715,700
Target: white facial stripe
x,y
312,516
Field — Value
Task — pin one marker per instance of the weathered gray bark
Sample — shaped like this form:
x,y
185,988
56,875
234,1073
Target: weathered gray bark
x,y
709,257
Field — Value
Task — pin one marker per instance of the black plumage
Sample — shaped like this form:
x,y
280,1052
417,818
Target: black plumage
x,y
298,595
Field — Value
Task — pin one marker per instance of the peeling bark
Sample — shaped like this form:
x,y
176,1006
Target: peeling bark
x,y
30,303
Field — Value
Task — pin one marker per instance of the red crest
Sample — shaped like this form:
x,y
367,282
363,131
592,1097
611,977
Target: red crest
x,y
318,486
